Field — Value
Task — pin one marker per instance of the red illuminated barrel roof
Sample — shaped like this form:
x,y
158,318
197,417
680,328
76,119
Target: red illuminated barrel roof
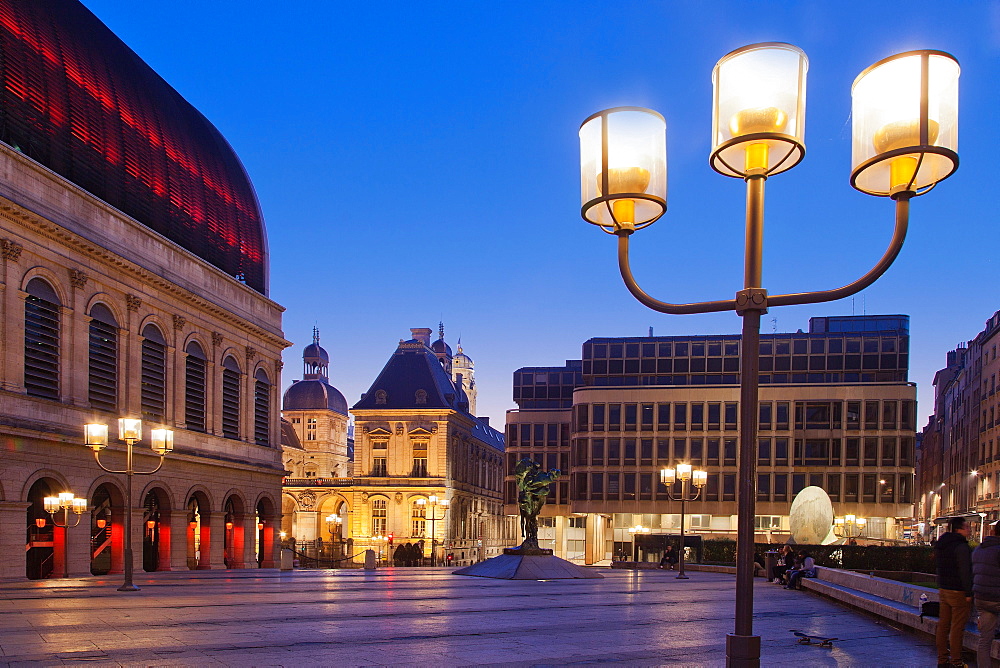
x,y
76,99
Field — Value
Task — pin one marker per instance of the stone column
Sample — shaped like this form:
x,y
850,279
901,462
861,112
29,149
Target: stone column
x,y
13,536
179,536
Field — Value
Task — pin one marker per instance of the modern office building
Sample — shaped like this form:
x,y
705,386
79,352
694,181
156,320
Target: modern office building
x,y
836,411
416,441
959,470
133,283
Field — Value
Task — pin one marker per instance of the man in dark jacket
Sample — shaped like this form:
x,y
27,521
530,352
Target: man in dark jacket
x,y
954,575
986,586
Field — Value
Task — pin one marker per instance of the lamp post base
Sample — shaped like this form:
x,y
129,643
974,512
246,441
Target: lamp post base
x,y
742,651
681,576
128,587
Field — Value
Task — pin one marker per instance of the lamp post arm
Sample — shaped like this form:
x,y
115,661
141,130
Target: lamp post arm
x,y
898,236
97,458
154,470
655,304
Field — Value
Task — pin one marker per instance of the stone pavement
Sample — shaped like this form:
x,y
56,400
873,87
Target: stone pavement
x,y
425,617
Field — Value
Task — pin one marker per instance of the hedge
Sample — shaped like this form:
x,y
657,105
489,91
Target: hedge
x,y
916,558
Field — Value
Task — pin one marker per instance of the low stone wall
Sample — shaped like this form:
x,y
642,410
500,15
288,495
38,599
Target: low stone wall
x,y
896,601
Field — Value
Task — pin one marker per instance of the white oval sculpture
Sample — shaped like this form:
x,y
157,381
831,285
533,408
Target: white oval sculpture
x,y
811,516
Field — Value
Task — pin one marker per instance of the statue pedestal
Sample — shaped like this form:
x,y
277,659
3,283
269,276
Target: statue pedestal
x,y
519,563
527,551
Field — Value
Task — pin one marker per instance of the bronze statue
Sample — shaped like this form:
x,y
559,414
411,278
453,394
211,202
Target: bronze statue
x,y
533,487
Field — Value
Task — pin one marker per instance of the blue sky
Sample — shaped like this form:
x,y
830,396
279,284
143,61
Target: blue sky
x,y
419,161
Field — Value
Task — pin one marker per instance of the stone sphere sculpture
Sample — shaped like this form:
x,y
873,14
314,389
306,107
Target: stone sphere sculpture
x,y
811,516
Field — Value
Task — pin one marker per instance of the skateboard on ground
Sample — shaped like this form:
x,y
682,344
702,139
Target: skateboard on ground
x,y
806,639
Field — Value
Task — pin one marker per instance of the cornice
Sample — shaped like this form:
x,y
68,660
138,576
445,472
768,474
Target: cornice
x,y
18,215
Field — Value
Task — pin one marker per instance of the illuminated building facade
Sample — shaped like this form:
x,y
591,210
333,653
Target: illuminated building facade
x,y
415,439
837,411
133,282
959,471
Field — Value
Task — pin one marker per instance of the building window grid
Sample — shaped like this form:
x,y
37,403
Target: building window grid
x,y
379,512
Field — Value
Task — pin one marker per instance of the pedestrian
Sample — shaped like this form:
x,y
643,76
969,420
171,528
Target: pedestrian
x,y
986,587
669,559
954,576
785,561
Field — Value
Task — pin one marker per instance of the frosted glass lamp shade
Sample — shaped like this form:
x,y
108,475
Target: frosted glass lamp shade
x,y
130,429
683,471
905,123
162,440
758,110
700,478
79,505
51,503
623,168
668,476
95,436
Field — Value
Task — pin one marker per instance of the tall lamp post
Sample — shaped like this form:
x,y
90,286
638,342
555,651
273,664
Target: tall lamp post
x,y
432,503
905,139
130,431
689,479
333,523
849,526
637,530
64,502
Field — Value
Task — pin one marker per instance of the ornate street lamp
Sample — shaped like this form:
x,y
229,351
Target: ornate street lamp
x,y
637,529
905,140
697,479
64,502
849,526
432,503
130,431
333,524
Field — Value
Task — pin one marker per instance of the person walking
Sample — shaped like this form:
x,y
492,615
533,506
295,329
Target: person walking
x,y
954,576
986,588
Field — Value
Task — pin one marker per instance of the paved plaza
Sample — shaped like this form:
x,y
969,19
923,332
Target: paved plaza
x,y
425,617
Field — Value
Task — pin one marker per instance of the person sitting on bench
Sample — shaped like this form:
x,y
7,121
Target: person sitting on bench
x,y
785,562
805,568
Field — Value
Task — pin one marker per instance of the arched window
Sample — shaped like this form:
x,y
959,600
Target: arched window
x,y
153,392
418,515
261,408
230,398
102,390
380,506
41,340
194,387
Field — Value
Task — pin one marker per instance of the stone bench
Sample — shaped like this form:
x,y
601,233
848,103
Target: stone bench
x,y
895,601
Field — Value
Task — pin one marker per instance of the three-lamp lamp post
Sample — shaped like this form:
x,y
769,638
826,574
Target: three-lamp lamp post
x,y
637,530
130,431
64,502
333,524
688,478
905,140
849,526
432,503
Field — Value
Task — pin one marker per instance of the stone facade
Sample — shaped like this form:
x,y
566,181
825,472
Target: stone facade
x,y
414,439
212,492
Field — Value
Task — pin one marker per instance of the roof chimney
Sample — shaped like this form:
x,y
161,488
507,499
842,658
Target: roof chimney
x,y
422,334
